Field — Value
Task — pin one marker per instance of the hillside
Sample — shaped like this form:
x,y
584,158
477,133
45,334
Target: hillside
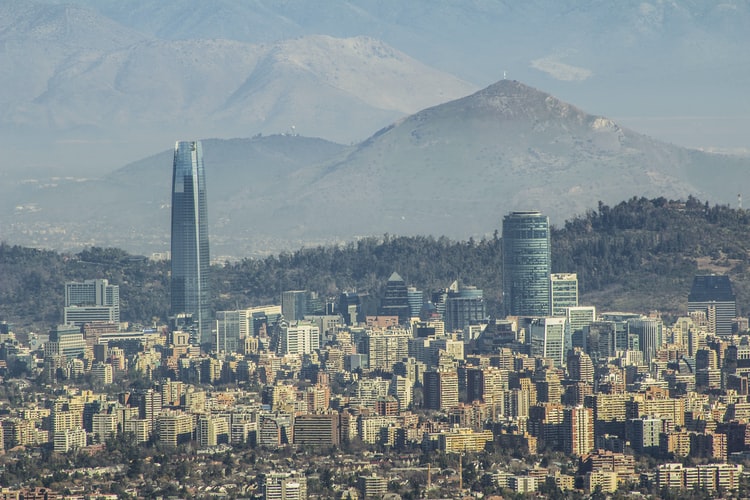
x,y
638,255
453,169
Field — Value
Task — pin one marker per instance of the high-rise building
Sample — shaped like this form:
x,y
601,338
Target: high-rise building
x,y
650,335
464,307
294,304
298,338
190,258
416,301
440,390
396,299
549,339
91,300
231,329
578,430
713,295
563,292
527,262
350,308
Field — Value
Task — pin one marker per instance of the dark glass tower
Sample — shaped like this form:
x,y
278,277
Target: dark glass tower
x,y
396,300
713,295
527,262
190,260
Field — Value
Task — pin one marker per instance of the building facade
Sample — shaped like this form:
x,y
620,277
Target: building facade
x,y
190,258
527,262
91,301
713,295
563,292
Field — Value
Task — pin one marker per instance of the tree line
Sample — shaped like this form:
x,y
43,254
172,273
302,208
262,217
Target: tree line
x,y
637,255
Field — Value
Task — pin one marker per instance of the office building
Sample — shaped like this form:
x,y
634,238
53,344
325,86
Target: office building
x,y
294,304
650,335
350,308
317,430
298,338
527,262
548,339
563,292
91,301
231,330
66,341
416,301
712,294
396,299
190,257
463,308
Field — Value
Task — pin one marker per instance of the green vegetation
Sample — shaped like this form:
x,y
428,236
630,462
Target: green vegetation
x,y
638,255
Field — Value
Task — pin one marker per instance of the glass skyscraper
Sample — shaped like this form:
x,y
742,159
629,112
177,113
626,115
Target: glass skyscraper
x,y
190,259
527,262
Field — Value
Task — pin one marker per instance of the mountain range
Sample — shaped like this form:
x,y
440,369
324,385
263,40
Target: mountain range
x,y
453,169
94,84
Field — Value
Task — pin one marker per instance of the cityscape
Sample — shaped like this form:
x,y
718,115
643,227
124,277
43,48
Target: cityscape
x,y
432,397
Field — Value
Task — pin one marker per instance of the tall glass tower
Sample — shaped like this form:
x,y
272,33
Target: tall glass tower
x,y
190,260
527,262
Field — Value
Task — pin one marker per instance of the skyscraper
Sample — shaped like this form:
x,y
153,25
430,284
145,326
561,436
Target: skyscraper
x,y
713,295
190,259
527,262
396,299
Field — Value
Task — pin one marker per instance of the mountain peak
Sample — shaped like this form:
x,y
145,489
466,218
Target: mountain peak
x,y
513,99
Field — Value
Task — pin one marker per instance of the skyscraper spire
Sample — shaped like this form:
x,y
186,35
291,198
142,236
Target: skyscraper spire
x,y
190,257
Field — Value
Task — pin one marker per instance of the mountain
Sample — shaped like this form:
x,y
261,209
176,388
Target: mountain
x,y
86,91
676,70
454,169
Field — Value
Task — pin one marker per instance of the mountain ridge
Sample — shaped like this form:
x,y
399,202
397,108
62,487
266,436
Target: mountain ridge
x,y
453,169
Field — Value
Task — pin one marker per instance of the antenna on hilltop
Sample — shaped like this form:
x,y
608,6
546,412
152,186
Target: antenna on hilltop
x,y
505,75
739,201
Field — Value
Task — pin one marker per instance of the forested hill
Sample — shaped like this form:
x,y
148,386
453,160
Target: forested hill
x,y
637,256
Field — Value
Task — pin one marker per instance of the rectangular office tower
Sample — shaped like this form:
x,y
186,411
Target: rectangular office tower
x,y
91,301
712,294
190,259
527,262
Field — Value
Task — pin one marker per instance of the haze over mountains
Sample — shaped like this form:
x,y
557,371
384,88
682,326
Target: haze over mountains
x,y
97,84
454,169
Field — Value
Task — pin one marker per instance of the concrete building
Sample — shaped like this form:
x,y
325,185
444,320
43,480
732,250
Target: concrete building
x,y
91,301
440,390
285,486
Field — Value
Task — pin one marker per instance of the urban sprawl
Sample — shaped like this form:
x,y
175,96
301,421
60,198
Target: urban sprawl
x,y
430,398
